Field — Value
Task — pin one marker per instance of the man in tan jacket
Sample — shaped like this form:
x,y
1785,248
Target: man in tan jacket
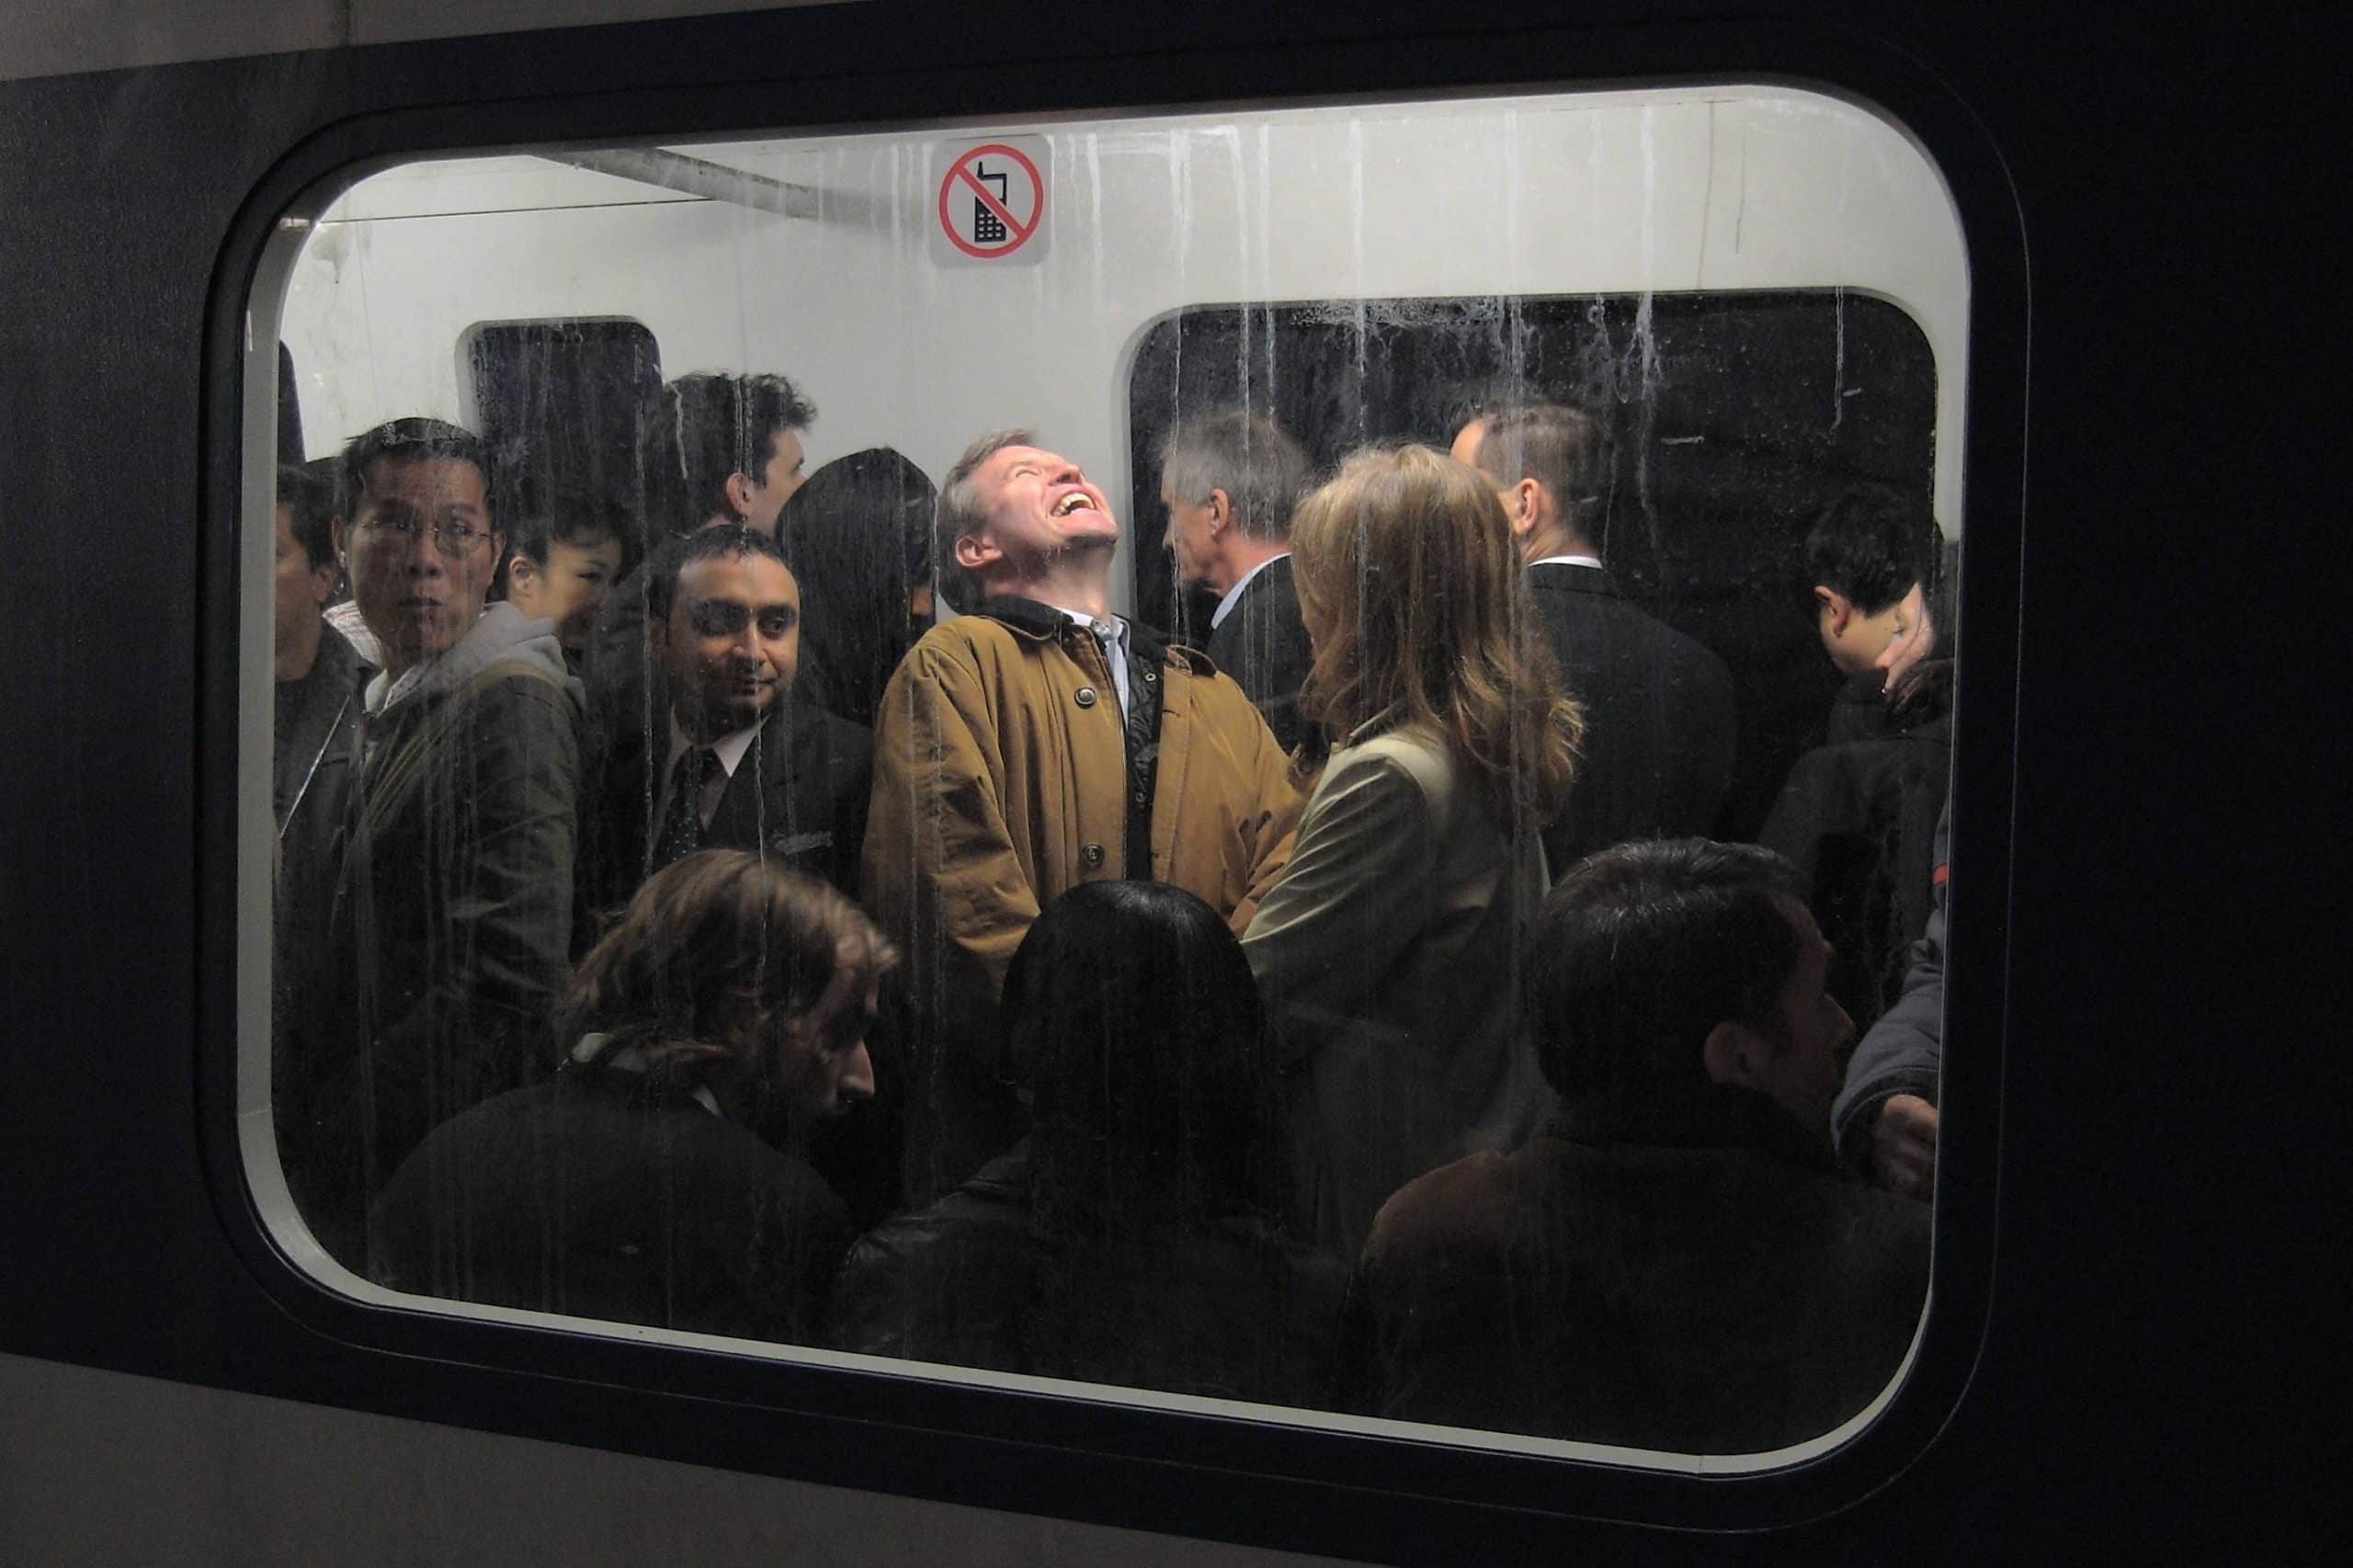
x,y
1037,742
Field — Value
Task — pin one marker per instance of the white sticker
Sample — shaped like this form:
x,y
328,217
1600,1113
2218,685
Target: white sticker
x,y
989,202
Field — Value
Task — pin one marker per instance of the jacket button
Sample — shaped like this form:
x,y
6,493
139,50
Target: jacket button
x,y
1093,855
1084,697
1150,676
1140,798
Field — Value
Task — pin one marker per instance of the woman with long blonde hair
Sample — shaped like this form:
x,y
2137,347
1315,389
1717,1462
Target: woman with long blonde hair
x,y
1389,951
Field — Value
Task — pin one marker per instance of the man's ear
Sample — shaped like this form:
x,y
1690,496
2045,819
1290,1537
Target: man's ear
x,y
339,539
1733,1053
973,551
521,568
1526,505
1220,509
740,487
1840,608
657,634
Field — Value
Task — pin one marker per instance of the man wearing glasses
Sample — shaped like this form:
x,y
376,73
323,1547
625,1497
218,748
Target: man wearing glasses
x,y
452,906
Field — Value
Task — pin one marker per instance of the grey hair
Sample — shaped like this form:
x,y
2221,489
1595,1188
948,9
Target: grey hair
x,y
1262,470
960,512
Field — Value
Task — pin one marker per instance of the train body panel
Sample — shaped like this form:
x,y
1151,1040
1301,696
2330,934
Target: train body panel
x,y
2146,836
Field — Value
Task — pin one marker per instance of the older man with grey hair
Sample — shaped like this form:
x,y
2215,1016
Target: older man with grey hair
x,y
1230,482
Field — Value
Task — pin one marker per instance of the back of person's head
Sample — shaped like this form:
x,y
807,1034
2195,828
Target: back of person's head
x,y
310,499
961,511
1563,448
574,518
1262,470
725,539
1871,544
705,937
1640,950
698,432
872,513
860,531
1413,590
1130,1010
417,439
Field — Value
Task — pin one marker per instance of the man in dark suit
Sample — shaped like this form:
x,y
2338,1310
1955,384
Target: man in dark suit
x,y
742,762
712,452
1659,711
1675,1262
1230,482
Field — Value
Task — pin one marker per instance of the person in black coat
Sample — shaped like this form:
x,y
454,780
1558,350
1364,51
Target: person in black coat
x,y
712,450
1858,819
858,535
1230,483
1660,718
1858,815
771,771
1678,1262
660,1177
1873,577
1133,1237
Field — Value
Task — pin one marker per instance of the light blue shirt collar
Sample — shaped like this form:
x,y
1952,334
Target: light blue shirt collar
x,y
1112,634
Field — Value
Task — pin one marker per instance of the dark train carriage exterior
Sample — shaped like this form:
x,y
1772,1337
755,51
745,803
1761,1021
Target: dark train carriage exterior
x,y
2141,863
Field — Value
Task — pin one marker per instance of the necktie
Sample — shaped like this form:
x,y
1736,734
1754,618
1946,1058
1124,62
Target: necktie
x,y
682,823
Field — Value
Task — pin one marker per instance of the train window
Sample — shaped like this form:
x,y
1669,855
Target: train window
x,y
1269,757
558,401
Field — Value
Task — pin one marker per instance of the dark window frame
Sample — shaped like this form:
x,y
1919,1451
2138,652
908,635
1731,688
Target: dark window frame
x,y
1161,1468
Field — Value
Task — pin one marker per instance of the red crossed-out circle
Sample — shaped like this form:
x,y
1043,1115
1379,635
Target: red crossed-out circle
x,y
959,173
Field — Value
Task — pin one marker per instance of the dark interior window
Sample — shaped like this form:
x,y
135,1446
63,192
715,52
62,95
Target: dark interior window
x,y
1738,416
557,400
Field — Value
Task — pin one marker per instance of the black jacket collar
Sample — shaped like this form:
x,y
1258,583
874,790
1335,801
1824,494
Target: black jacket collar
x,y
1574,579
1040,622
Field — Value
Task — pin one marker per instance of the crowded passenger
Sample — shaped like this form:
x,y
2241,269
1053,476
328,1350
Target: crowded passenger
x,y
745,761
1869,561
1885,1117
1036,742
1858,818
1387,949
315,737
452,904
712,450
659,1178
566,556
1230,483
859,533
1660,719
1676,1262
1133,1237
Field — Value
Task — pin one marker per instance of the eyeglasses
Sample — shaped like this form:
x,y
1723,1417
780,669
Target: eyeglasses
x,y
452,539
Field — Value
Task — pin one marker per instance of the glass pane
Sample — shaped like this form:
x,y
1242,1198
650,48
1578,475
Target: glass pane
x,y
1272,756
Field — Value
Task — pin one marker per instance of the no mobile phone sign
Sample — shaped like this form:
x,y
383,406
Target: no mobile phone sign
x,y
991,204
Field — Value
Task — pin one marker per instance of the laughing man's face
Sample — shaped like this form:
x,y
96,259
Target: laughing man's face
x,y
1039,506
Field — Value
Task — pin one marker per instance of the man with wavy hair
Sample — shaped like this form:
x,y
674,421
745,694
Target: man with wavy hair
x,y
1037,741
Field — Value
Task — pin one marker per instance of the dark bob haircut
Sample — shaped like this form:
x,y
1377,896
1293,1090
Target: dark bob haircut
x,y
1641,948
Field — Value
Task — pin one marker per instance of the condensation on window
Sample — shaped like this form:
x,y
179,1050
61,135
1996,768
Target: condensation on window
x,y
1289,758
